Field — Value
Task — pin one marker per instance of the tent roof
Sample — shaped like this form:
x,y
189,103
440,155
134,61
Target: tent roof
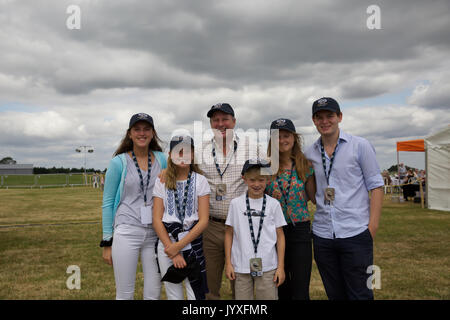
x,y
411,145
440,137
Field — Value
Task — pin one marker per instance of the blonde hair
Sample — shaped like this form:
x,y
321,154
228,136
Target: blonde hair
x,y
302,165
171,172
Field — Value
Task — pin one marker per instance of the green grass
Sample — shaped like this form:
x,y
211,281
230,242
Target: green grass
x,y
19,206
411,248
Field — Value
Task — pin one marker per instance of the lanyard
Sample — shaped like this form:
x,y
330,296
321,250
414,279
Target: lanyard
x,y
288,189
322,150
285,196
215,159
250,222
181,210
149,170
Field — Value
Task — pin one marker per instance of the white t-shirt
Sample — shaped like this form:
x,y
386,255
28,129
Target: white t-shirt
x,y
200,188
242,248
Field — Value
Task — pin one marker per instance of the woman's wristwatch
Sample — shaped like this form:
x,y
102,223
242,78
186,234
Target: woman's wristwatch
x,y
106,243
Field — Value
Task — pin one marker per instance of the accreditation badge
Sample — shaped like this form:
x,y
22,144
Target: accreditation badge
x,y
221,191
146,215
329,196
256,267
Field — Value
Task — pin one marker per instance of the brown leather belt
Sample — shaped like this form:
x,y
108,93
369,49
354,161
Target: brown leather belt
x,y
217,219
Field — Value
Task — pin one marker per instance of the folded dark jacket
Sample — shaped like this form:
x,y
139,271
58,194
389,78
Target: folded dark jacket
x,y
191,271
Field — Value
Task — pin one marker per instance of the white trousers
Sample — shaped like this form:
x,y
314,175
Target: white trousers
x,y
174,291
130,241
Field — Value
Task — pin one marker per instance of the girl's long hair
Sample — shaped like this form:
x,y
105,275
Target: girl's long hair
x,y
126,144
171,172
302,165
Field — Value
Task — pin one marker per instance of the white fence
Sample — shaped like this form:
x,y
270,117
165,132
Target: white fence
x,y
48,180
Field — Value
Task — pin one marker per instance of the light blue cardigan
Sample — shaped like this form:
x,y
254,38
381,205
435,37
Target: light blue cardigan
x,y
112,193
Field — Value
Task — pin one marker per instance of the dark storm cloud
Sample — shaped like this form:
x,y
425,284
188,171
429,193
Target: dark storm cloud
x,y
205,44
174,59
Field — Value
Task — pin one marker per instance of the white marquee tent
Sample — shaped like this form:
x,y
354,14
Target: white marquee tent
x,y
437,161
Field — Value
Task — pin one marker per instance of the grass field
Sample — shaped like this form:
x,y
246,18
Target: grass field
x,y
411,248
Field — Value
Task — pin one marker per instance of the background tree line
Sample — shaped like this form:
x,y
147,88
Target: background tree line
x,y
43,170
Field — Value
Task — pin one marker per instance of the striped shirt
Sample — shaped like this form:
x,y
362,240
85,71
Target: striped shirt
x,y
232,177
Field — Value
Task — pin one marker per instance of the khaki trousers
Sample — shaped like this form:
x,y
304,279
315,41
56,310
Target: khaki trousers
x,y
214,251
259,288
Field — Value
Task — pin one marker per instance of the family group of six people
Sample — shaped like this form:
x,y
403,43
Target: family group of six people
x,y
192,222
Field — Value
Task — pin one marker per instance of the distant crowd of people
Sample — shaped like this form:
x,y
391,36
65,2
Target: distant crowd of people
x,y
407,180
98,180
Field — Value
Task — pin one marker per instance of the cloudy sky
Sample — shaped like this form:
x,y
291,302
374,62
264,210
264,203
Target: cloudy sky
x,y
61,88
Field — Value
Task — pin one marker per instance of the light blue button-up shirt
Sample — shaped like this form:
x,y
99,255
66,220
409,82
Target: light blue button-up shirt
x,y
355,171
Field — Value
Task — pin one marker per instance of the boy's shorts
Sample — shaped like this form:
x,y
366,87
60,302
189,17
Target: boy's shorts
x,y
263,287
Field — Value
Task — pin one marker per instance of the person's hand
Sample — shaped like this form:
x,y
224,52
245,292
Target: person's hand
x,y
179,262
279,277
107,255
162,176
229,272
172,249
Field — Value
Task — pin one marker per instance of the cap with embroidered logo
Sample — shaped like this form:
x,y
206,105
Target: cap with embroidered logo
x,y
181,139
282,124
254,163
325,103
224,107
140,117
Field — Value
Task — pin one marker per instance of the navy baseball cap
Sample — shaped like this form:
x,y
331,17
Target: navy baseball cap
x,y
224,107
181,139
140,117
282,124
254,163
325,103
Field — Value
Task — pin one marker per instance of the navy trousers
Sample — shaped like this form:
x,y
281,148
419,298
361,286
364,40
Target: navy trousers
x,y
343,264
297,262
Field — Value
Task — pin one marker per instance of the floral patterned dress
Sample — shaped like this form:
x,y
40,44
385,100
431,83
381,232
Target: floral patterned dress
x,y
295,209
